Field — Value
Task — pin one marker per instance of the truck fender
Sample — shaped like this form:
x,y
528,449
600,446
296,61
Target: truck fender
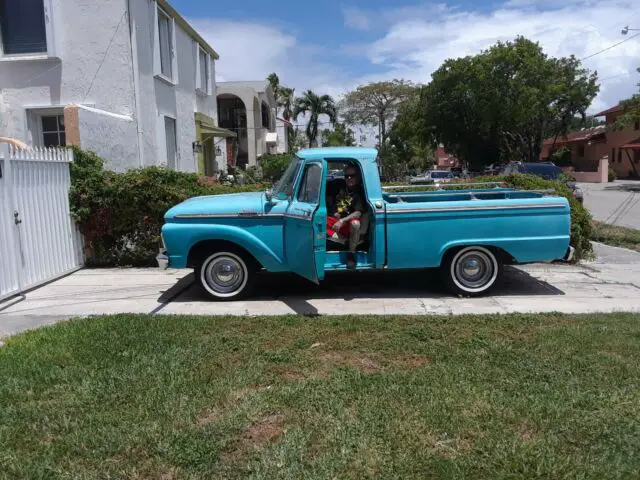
x,y
190,235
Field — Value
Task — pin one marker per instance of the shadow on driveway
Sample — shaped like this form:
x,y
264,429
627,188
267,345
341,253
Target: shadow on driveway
x,y
345,286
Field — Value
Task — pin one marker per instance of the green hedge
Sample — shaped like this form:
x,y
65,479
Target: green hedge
x,y
120,214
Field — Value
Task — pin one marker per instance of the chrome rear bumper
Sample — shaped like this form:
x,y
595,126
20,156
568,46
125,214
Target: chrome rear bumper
x,y
569,255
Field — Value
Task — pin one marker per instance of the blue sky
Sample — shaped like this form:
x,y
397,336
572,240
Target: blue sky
x,y
333,46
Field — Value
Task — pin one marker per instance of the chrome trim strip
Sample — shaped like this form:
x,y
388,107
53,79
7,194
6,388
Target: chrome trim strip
x,y
299,217
441,186
228,215
474,208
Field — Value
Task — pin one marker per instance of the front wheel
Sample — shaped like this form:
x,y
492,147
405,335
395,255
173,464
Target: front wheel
x,y
471,271
225,276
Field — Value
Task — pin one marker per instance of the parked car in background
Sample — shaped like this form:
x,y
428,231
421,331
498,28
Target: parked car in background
x,y
433,176
546,170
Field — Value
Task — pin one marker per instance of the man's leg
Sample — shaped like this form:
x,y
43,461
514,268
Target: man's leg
x,y
354,237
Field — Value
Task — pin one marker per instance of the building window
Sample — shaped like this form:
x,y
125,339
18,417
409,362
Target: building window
x,y
636,155
636,125
53,134
265,116
619,155
23,27
172,142
581,151
204,75
165,35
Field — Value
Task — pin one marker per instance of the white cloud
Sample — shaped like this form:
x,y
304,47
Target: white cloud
x,y
414,48
414,40
252,50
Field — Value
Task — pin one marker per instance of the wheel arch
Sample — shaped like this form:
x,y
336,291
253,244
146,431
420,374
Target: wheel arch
x,y
203,248
503,256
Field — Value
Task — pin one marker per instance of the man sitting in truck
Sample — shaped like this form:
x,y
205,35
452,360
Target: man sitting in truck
x,y
351,219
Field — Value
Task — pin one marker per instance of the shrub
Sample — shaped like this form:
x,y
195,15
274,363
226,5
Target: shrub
x,y
612,175
120,214
273,166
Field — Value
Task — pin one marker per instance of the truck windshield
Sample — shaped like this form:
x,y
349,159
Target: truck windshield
x,y
284,187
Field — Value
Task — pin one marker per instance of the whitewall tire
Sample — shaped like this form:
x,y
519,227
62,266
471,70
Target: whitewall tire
x,y
225,276
471,271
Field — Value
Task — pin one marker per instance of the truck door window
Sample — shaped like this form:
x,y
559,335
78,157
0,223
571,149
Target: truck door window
x,y
310,186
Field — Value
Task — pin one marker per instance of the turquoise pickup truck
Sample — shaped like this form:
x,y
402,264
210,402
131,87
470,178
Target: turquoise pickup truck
x,y
468,233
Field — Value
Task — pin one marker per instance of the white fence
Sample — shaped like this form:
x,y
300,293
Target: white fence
x,y
38,238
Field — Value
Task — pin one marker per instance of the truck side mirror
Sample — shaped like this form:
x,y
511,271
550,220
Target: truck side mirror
x,y
268,193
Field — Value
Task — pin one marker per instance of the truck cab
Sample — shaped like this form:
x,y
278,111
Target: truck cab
x,y
469,234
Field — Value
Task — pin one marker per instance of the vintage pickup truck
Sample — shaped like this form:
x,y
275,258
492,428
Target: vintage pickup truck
x,y
469,233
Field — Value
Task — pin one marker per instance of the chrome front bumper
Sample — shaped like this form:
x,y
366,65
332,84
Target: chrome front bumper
x,y
162,259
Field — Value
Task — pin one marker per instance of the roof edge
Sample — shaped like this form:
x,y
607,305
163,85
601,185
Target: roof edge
x,y
165,5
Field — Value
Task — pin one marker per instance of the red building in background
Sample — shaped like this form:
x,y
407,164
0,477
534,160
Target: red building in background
x,y
446,161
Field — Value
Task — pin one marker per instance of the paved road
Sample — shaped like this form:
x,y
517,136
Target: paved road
x,y
612,283
617,203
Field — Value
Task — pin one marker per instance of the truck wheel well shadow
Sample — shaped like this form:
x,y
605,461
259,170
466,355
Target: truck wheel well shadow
x,y
207,247
504,257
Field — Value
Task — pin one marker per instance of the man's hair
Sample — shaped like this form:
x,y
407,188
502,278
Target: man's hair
x,y
350,166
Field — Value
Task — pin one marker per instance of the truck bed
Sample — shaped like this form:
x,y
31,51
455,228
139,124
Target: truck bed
x,y
528,226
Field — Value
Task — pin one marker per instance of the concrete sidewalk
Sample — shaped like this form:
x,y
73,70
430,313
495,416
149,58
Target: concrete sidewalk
x,y
612,283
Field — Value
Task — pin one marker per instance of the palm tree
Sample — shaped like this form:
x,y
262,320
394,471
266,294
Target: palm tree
x,y
274,81
314,105
285,100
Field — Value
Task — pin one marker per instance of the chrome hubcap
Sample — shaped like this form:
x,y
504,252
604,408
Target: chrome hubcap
x,y
474,269
225,274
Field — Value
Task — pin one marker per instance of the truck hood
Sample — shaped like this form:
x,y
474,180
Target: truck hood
x,y
228,204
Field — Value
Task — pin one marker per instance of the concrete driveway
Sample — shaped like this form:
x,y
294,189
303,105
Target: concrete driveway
x,y
610,284
616,203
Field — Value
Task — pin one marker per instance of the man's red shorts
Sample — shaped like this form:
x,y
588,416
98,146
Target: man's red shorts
x,y
344,230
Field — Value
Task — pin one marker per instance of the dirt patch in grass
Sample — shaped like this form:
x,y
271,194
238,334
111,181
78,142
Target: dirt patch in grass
x,y
409,362
351,359
209,416
260,433
287,373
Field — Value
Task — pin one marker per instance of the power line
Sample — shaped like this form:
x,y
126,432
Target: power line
x,y
106,52
610,47
613,76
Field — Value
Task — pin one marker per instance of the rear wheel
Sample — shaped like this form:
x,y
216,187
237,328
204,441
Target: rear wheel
x,y
226,275
471,271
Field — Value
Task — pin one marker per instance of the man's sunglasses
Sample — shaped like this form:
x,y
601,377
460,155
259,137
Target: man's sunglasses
x,y
350,175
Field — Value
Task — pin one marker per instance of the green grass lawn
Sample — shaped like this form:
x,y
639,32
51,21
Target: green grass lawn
x,y
515,396
616,236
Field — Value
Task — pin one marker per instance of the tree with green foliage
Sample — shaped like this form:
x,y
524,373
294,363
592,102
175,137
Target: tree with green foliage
x,y
285,99
410,138
315,105
340,136
376,104
499,105
630,111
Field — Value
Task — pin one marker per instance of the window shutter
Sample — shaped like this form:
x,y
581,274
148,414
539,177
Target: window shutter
x,y
23,27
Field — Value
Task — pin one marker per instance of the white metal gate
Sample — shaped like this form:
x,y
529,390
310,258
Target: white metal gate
x,y
38,238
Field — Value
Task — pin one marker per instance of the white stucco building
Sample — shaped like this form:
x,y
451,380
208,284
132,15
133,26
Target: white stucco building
x,y
129,79
249,109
